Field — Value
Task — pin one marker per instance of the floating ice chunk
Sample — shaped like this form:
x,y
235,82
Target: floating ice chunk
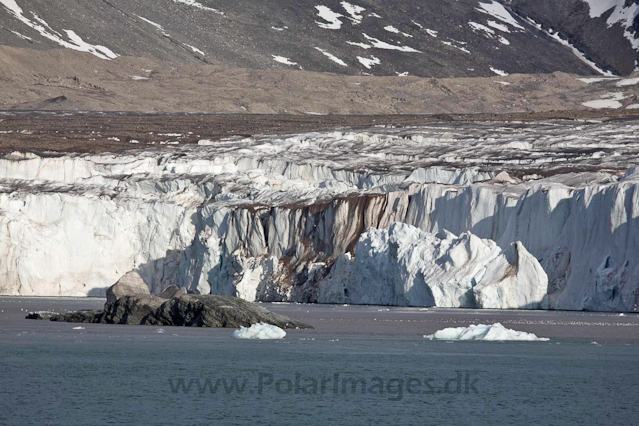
x,y
334,23
494,333
332,57
499,72
283,60
259,331
497,10
78,328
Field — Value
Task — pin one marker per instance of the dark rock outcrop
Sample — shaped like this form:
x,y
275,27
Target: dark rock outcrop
x,y
131,309
188,310
42,315
217,311
89,316
173,291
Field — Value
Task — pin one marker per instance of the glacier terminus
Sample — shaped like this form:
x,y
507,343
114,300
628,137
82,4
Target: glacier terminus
x,y
508,215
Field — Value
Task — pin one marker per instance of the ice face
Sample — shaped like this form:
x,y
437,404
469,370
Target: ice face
x,y
494,333
408,267
259,331
544,211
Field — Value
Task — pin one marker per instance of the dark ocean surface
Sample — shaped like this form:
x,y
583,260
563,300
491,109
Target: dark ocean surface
x,y
360,365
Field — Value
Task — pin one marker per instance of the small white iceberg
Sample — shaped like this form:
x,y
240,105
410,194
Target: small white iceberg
x,y
494,332
259,331
78,328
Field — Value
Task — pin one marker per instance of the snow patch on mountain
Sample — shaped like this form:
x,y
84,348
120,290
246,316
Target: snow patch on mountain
x,y
369,62
156,25
378,44
354,12
195,49
392,29
569,45
608,101
74,42
622,13
627,82
498,11
334,23
198,5
499,72
283,60
453,44
332,57
24,37
498,26
362,45
479,27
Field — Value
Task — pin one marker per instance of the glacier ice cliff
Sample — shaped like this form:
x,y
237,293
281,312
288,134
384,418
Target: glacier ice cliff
x,y
408,267
508,215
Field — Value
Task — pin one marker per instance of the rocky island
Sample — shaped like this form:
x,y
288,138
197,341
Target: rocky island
x,y
129,302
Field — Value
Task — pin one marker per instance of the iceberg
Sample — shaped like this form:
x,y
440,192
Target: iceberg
x,y
494,333
259,331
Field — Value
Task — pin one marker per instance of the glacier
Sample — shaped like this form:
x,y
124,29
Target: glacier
x,y
536,215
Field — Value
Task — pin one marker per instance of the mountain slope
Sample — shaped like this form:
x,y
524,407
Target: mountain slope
x,y
439,38
607,31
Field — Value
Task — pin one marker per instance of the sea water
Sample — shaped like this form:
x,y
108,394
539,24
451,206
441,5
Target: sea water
x,y
360,365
